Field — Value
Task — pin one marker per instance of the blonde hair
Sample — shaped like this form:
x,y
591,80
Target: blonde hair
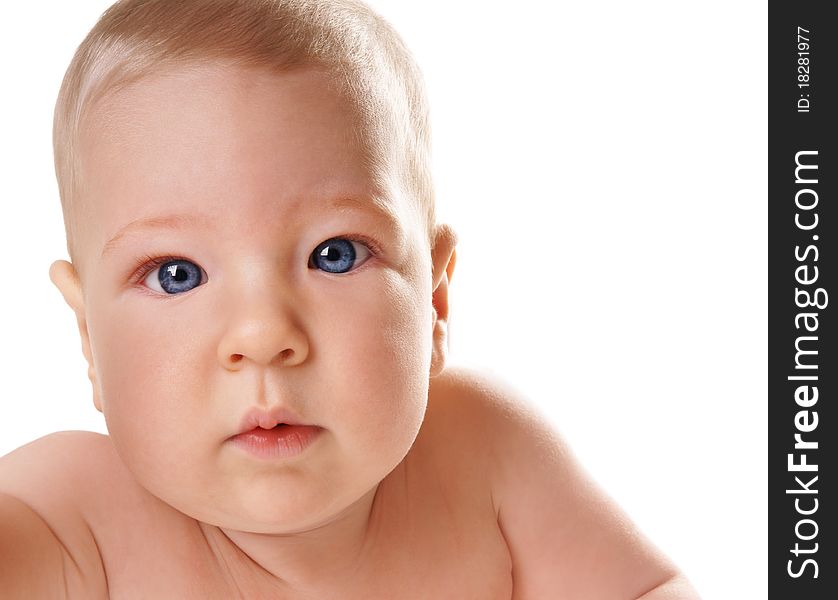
x,y
373,68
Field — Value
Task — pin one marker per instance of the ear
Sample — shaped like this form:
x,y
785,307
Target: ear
x,y
64,276
444,258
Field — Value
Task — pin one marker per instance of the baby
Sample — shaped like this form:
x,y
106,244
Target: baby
x,y
261,289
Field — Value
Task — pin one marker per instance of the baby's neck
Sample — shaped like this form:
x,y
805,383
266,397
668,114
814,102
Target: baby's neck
x,y
309,562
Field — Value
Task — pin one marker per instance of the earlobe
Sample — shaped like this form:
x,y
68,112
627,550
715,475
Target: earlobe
x,y
65,277
444,256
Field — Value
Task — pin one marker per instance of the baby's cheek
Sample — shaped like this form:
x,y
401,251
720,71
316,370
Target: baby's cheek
x,y
143,382
391,354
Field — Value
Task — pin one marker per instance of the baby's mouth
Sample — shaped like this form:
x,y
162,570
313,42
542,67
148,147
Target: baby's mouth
x,y
283,440
280,418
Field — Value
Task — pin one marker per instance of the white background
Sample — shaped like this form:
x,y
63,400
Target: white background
x,y
605,166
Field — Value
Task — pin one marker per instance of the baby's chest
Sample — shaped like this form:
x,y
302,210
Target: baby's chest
x,y
444,560
459,571
441,540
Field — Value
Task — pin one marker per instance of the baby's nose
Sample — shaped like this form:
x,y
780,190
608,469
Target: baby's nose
x,y
265,335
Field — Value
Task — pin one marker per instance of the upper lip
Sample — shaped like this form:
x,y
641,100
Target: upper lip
x,y
268,419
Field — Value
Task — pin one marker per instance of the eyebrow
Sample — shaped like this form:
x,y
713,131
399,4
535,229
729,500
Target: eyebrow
x,y
177,221
172,221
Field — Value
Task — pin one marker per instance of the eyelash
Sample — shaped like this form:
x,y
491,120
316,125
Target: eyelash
x,y
146,263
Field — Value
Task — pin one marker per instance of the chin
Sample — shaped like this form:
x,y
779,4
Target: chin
x,y
275,510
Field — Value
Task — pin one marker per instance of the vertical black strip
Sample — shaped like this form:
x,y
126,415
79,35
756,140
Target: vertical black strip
x,y
803,300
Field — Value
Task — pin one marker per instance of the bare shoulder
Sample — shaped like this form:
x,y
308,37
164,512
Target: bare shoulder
x,y
483,409
473,413
462,405
566,537
60,472
469,397
59,478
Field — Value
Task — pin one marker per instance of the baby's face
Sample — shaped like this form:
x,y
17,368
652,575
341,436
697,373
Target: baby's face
x,y
244,175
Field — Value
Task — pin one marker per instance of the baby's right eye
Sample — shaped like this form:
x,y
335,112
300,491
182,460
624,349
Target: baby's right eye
x,y
173,276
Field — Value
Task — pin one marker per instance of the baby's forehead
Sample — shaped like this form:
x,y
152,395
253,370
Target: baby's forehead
x,y
232,95
228,112
240,149
223,109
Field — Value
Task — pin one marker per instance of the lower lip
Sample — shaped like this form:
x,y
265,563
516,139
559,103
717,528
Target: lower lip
x,y
285,441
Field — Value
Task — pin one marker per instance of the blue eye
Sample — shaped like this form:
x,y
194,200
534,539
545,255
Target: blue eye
x,y
338,255
175,277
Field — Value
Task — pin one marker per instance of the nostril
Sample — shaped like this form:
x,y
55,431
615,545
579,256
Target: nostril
x,y
286,354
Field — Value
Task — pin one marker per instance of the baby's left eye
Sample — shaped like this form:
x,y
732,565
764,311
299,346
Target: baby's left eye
x,y
338,255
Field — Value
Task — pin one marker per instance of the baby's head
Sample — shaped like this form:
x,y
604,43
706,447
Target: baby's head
x,y
249,214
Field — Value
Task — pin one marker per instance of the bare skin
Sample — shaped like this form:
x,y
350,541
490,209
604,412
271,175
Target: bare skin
x,y
431,530
433,527
425,482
